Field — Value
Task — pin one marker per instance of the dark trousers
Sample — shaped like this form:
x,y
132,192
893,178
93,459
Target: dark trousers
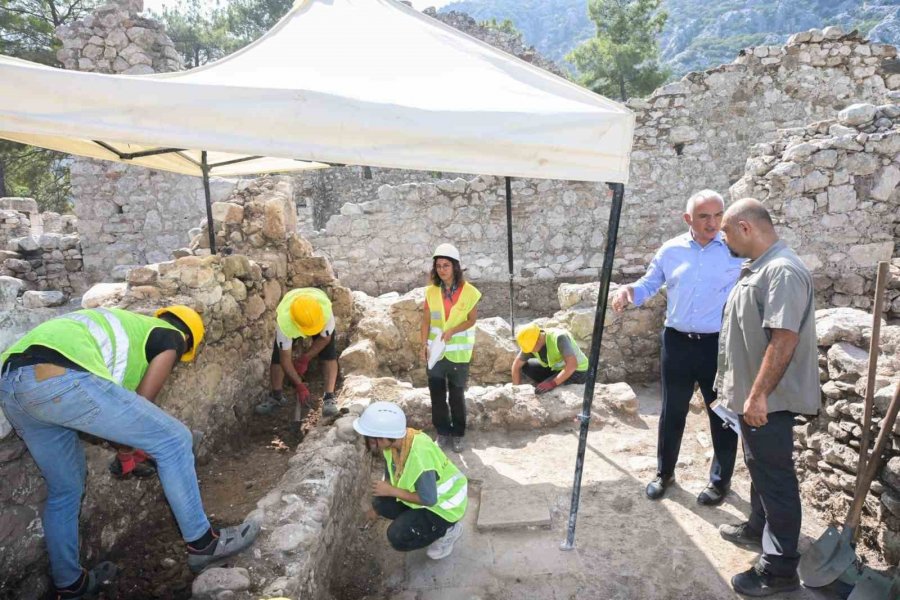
x,y
687,361
774,493
411,528
537,372
447,385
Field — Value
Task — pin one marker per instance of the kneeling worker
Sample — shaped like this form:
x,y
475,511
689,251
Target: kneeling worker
x,y
303,313
423,493
555,359
97,371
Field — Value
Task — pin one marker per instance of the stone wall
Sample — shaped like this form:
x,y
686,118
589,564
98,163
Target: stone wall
x,y
691,134
828,446
128,215
40,257
833,189
236,296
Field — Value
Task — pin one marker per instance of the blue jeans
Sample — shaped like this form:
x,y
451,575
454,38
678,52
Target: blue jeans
x,y
49,414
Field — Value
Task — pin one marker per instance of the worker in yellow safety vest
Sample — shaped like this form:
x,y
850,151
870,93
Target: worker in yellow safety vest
x,y
303,313
549,358
448,337
98,371
422,492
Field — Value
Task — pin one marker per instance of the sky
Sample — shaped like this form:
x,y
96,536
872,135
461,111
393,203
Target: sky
x,y
157,5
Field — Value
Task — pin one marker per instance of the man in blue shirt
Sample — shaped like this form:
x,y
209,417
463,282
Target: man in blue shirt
x,y
698,272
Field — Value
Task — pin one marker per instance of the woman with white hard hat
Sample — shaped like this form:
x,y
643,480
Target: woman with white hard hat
x,y
448,337
422,492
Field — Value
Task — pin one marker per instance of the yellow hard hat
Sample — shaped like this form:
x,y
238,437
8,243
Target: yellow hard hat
x,y
192,320
307,315
528,337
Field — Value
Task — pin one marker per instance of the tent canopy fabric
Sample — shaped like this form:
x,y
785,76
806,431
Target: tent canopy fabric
x,y
356,82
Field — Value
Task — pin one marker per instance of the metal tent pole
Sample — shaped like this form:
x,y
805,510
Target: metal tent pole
x,y
509,255
204,168
612,231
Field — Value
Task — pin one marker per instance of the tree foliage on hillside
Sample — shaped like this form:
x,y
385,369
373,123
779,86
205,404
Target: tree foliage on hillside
x,y
622,59
27,31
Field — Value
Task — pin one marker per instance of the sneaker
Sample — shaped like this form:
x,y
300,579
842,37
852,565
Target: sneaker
x,y
656,489
97,578
443,441
269,405
456,442
329,406
443,546
741,535
757,582
231,541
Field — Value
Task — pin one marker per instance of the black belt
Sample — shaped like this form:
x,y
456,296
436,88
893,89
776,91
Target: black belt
x,y
694,336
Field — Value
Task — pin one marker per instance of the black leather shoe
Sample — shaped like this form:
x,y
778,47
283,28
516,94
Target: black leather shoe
x,y
741,535
656,489
712,495
757,583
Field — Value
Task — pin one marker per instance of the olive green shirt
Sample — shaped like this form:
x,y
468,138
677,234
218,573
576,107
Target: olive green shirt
x,y
775,291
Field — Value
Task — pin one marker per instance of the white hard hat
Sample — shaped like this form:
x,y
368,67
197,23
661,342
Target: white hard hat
x,y
382,420
446,251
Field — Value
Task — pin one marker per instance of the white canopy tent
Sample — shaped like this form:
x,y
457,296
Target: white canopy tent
x,y
351,82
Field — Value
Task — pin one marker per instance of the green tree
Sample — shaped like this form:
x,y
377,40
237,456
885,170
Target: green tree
x,y
27,31
622,60
199,36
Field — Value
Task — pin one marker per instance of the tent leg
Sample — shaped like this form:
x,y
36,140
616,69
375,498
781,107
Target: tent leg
x,y
612,231
204,167
509,255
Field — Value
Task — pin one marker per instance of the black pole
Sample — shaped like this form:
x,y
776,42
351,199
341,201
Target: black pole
x,y
509,256
612,232
204,168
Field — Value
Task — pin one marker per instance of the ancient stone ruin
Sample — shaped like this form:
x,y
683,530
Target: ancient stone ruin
x,y
812,129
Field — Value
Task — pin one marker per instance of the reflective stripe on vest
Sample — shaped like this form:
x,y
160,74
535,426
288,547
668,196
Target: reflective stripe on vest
x,y
115,350
459,347
452,486
555,359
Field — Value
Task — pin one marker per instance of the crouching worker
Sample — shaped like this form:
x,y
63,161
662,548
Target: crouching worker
x,y
93,371
423,493
549,358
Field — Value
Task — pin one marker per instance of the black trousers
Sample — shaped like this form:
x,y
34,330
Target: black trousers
x,y
537,372
412,528
687,361
774,493
447,385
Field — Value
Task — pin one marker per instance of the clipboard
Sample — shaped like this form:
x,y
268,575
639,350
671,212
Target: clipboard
x,y
435,351
728,416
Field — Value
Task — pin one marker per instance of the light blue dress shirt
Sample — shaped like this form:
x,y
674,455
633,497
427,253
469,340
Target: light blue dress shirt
x,y
697,279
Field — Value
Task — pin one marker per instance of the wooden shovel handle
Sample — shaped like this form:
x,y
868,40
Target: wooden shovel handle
x,y
866,476
880,284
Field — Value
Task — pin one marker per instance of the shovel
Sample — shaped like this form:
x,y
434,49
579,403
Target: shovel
x,y
874,586
835,552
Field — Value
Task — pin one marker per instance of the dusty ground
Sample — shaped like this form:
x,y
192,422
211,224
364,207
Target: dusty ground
x,y
627,547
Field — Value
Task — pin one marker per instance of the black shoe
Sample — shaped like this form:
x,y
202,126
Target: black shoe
x,y
712,495
656,489
757,583
741,535
91,583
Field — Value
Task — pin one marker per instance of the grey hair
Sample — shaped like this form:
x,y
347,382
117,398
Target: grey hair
x,y
703,195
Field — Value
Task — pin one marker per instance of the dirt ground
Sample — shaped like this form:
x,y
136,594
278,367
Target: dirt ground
x,y
626,547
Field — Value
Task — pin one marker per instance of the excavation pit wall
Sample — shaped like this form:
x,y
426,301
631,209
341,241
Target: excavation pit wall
x,y
215,394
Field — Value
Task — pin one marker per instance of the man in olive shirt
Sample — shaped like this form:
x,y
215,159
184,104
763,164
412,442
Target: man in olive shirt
x,y
769,360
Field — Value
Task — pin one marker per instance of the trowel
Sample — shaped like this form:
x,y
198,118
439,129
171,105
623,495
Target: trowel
x,y
874,586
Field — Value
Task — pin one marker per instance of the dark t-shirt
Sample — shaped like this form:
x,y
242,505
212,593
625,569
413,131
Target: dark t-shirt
x,y
159,340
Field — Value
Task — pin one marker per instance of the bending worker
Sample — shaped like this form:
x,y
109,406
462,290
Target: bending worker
x,y
97,371
450,313
423,493
549,358
303,313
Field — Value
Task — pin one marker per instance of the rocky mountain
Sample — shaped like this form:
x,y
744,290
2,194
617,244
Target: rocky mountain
x,y
699,34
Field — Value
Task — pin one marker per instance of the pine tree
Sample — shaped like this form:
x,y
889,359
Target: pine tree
x,y
622,60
